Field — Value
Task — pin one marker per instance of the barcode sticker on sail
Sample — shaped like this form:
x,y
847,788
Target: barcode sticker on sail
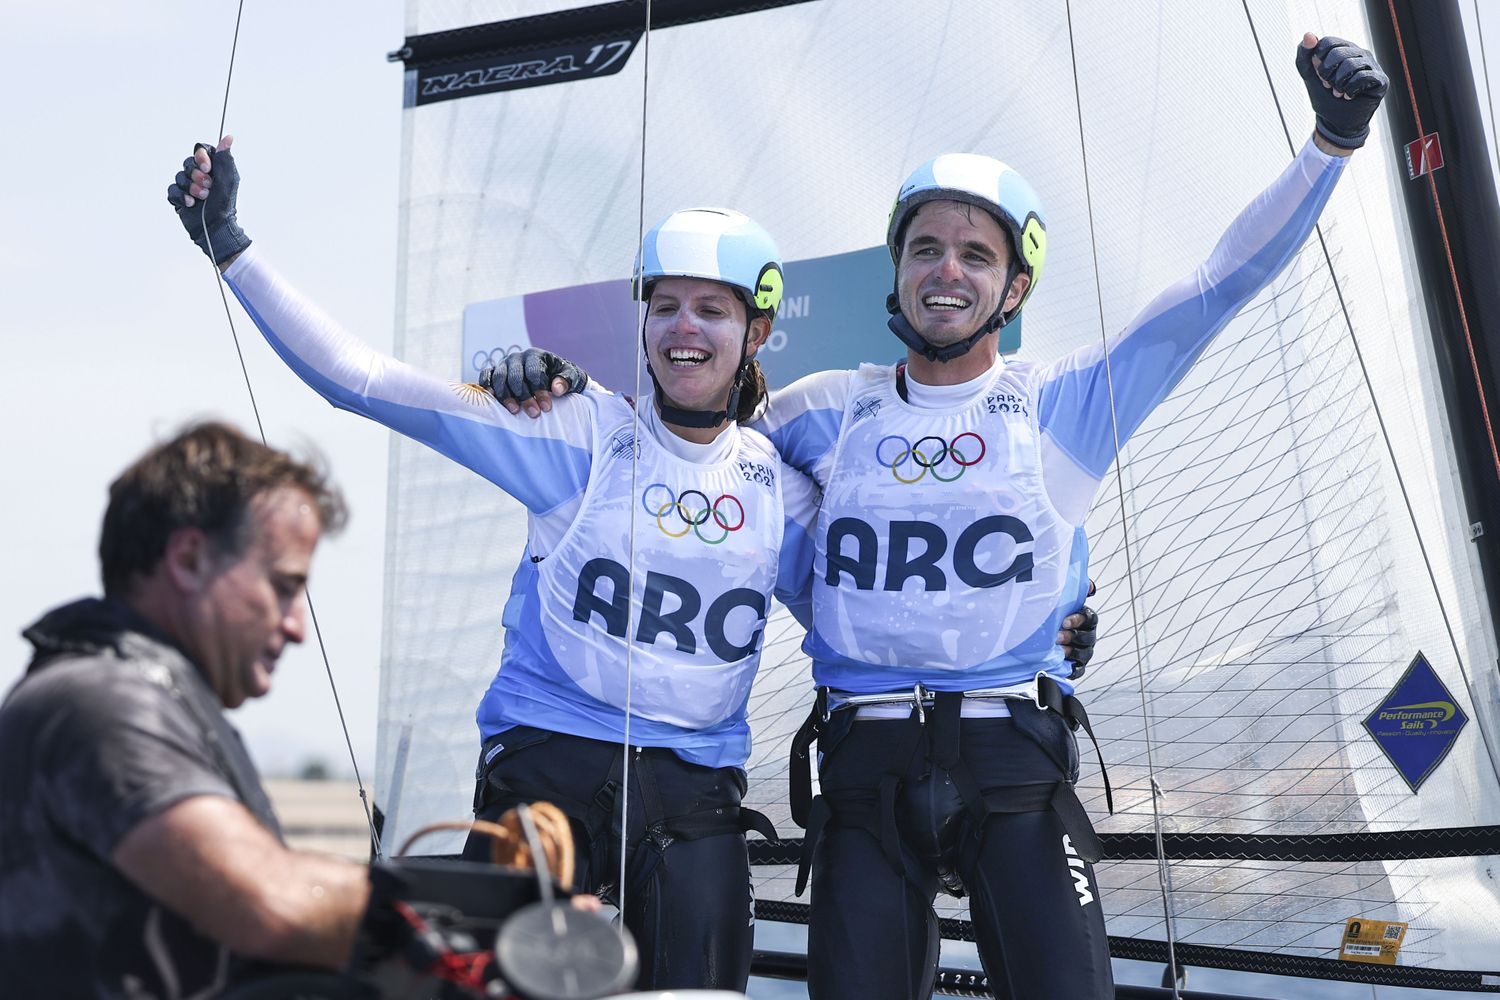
x,y
1375,941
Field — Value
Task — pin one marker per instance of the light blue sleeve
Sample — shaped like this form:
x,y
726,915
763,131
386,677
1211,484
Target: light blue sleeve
x,y
803,420
1151,356
543,463
800,497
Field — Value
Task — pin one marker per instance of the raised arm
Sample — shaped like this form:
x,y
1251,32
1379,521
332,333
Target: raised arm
x,y
541,464
802,420
1154,352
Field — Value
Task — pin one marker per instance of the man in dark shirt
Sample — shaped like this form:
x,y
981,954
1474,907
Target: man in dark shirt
x,y
139,856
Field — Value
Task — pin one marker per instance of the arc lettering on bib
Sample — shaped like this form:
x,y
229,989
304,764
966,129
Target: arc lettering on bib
x,y
861,559
669,568
671,607
938,549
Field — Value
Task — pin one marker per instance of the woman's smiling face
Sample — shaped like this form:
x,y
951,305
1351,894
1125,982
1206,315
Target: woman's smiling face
x,y
695,333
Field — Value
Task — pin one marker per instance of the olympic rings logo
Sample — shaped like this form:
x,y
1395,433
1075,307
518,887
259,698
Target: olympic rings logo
x,y
929,454
492,357
694,512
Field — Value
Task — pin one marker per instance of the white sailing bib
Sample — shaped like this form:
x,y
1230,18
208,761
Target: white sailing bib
x,y
938,550
706,539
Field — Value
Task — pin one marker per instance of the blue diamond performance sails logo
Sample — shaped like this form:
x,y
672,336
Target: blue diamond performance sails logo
x,y
1418,723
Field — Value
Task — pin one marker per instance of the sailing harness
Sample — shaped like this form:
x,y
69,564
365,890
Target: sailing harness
x,y
936,716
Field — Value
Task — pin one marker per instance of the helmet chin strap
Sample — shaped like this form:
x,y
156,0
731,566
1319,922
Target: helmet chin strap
x,y
674,414
902,327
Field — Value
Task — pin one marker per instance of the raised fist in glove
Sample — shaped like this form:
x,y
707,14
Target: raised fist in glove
x,y
1345,85
203,195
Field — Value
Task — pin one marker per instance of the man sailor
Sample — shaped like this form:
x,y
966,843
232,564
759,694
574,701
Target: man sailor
x,y
949,546
950,543
139,855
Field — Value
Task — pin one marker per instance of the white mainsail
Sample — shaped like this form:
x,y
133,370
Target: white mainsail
x,y
1277,588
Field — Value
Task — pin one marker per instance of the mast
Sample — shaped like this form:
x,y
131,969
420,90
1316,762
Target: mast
x,y
1433,114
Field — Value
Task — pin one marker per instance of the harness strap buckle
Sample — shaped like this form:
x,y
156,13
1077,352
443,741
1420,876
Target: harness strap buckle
x,y
1050,695
800,765
1037,694
919,698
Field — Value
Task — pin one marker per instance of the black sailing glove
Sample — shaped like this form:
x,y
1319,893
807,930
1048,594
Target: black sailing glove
x,y
211,221
1344,68
522,375
1080,645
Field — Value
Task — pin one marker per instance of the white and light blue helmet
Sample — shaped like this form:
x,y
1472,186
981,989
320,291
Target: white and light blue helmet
x,y
989,184
718,244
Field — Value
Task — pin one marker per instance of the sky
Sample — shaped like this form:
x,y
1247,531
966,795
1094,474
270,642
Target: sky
x,y
113,326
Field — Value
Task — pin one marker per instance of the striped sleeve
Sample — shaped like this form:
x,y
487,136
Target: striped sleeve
x,y
543,464
803,420
800,498
1155,351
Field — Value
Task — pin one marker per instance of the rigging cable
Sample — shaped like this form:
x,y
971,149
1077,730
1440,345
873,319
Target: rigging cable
x,y
635,461
259,426
203,224
1364,370
1162,870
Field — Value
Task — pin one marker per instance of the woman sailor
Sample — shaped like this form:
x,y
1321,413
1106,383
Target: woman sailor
x,y
657,536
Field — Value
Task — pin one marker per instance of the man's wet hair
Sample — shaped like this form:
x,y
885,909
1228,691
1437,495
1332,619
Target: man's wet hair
x,y
206,478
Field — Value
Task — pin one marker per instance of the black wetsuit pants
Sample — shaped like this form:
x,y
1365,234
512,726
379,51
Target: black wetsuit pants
x,y
1034,903
688,898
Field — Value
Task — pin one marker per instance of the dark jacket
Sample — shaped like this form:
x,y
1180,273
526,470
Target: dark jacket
x,y
111,724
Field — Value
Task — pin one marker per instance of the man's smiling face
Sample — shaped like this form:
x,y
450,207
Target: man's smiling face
x,y
954,259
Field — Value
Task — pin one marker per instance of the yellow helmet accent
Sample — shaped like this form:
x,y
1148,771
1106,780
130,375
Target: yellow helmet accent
x,y
768,288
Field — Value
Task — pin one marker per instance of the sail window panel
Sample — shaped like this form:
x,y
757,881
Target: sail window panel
x,y
441,643
1175,148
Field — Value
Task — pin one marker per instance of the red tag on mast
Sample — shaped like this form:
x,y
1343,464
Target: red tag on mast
x,y
1423,156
